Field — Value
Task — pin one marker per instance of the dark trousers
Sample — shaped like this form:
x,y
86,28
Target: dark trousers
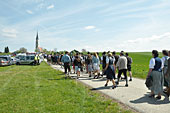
x,y
124,71
66,67
35,62
103,67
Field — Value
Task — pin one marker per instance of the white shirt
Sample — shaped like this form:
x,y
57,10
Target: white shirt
x,y
163,60
107,59
73,58
152,64
102,58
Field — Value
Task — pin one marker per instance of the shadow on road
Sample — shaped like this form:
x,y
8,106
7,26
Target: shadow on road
x,y
101,88
146,99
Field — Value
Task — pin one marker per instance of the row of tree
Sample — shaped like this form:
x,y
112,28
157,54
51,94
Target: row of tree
x,y
6,50
24,50
21,50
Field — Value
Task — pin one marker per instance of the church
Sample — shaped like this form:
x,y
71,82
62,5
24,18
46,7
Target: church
x,y
37,48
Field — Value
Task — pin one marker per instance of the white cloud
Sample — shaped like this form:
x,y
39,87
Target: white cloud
x,y
50,7
40,6
29,11
9,32
158,42
89,27
152,38
10,35
126,4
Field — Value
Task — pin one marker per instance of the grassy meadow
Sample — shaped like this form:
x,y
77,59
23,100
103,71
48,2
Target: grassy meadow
x,y
41,89
33,89
140,65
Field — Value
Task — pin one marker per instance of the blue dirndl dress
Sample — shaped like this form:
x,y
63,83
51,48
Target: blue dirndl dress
x,y
110,72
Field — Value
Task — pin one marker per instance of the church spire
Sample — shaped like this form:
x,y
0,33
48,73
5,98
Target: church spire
x,y
36,45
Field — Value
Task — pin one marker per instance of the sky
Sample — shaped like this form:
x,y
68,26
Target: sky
x,y
94,25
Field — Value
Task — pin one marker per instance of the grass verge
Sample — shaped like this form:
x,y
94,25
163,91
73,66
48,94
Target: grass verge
x,y
43,89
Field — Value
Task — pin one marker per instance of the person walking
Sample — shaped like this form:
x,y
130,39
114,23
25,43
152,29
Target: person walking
x,y
77,64
122,67
96,64
89,64
116,59
129,62
155,71
60,60
165,67
73,58
167,76
103,60
110,70
66,60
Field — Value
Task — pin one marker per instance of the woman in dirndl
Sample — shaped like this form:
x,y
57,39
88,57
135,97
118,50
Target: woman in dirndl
x,y
96,63
165,67
110,70
155,71
89,64
167,76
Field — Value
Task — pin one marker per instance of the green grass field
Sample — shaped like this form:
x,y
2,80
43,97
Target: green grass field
x,y
41,89
140,65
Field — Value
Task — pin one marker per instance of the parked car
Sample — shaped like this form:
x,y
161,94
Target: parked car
x,y
5,60
14,60
26,59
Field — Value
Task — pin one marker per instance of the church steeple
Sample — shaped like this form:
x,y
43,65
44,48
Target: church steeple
x,y
36,46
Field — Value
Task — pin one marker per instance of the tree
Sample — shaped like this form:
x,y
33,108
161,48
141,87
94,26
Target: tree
x,y
23,50
6,50
44,50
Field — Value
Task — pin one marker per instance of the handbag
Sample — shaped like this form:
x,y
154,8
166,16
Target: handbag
x,y
149,81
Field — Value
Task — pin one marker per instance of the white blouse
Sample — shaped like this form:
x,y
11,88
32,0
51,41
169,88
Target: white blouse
x,y
107,60
152,63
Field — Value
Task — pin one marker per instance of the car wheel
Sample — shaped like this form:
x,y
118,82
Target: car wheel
x,y
32,63
17,63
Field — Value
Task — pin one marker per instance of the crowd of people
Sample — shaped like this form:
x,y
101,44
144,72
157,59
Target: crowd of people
x,y
113,66
96,66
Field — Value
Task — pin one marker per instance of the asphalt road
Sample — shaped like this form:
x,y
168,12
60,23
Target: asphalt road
x,y
134,96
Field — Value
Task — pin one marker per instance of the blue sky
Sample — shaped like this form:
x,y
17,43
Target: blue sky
x,y
94,25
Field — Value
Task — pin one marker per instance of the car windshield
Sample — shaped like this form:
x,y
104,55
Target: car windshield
x,y
4,58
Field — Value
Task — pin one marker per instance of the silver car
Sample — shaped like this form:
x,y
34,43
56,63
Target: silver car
x,y
14,60
5,60
28,59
